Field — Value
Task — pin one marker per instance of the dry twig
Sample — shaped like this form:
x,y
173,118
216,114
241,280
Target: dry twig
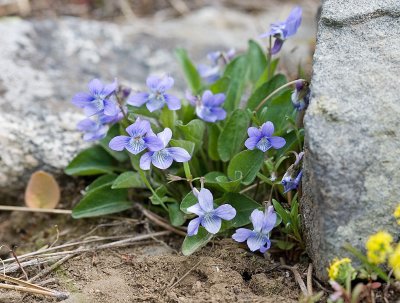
x,y
159,221
309,279
51,268
35,210
298,278
30,288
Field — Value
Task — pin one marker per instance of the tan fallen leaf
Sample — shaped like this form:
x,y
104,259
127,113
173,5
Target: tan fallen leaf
x,y
42,191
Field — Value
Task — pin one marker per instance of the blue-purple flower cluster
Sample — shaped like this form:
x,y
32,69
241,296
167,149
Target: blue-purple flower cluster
x,y
141,137
101,108
211,219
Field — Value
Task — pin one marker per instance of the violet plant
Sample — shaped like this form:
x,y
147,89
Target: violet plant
x,y
212,160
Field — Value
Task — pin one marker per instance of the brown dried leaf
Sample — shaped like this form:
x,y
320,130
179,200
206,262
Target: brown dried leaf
x,y
42,191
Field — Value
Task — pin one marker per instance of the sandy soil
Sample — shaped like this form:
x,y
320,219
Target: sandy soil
x,y
148,271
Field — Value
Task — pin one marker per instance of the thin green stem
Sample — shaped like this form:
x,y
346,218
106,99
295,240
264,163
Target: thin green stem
x,y
276,91
147,183
269,58
188,173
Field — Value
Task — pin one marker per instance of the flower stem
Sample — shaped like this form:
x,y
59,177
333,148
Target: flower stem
x,y
188,173
119,101
275,91
147,183
269,58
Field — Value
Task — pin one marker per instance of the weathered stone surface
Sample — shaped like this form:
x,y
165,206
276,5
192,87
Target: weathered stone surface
x,y
352,169
43,63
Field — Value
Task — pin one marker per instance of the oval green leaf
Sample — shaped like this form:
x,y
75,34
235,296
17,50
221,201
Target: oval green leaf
x,y
92,161
248,162
231,139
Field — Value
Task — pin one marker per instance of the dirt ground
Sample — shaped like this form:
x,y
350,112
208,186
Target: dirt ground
x,y
148,271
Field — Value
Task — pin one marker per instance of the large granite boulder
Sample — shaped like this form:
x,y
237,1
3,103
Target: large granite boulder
x,y
44,62
352,168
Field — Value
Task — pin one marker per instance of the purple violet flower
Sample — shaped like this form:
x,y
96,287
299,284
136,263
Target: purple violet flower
x,y
98,99
284,29
163,156
301,96
289,181
93,130
258,238
104,119
208,217
211,73
157,97
140,137
209,107
262,138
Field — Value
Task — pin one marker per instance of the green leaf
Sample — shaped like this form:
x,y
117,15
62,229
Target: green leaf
x,y
188,201
285,245
256,60
92,161
194,243
231,139
244,207
134,111
162,193
168,118
193,131
128,179
213,134
283,213
232,184
291,144
264,90
186,145
102,201
135,161
176,216
120,156
248,162
220,86
277,109
372,267
265,75
211,177
236,70
105,180
191,74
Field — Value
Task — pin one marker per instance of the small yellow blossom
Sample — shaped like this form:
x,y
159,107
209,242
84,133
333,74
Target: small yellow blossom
x,y
335,270
379,246
394,262
396,214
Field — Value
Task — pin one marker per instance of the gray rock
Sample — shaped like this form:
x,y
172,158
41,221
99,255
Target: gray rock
x,y
44,63
352,169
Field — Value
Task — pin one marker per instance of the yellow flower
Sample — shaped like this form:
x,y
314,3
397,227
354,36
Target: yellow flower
x,y
335,270
394,262
396,214
379,246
